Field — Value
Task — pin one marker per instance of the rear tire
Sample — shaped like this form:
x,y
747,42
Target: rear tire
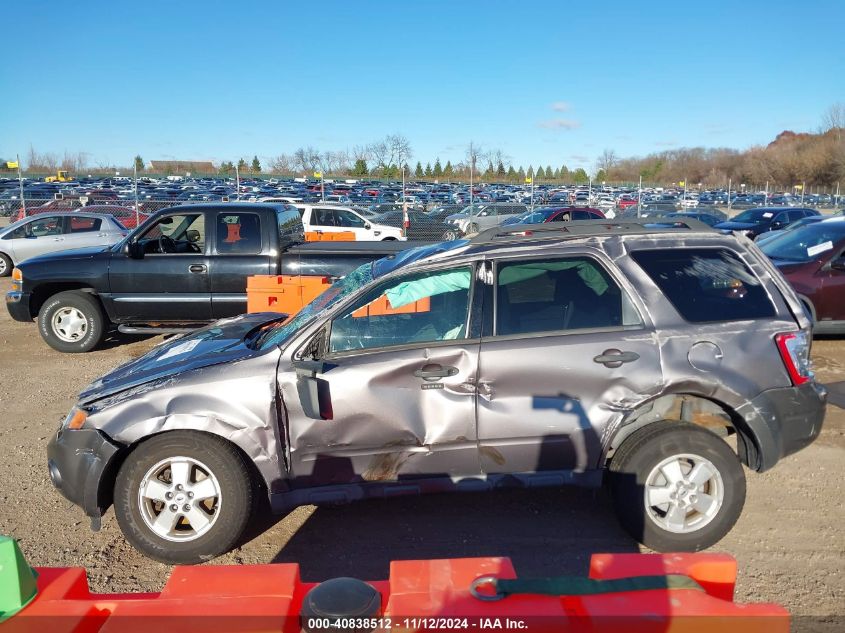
x,y
676,487
473,228
209,464
5,265
72,322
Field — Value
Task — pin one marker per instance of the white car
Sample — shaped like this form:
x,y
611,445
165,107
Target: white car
x,y
330,218
56,231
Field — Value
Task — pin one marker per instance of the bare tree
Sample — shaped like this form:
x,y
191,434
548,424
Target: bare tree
x,y
474,153
834,119
399,148
606,161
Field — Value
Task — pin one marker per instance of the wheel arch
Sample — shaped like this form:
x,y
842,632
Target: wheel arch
x,y
43,292
105,487
688,405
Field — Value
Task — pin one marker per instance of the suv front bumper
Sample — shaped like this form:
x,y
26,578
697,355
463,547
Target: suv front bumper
x,y
77,460
785,420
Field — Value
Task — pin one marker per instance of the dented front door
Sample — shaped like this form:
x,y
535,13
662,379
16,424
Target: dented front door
x,y
396,388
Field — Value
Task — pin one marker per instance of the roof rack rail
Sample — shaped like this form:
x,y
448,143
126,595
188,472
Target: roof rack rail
x,y
558,230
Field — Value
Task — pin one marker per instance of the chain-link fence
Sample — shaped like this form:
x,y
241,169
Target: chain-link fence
x,y
421,225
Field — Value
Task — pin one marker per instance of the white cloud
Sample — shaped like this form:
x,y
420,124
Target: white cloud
x,y
561,106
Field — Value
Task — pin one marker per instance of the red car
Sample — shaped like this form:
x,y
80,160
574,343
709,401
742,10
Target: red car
x,y
624,203
124,215
65,204
812,259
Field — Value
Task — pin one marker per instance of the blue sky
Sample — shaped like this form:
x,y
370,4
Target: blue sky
x,y
545,82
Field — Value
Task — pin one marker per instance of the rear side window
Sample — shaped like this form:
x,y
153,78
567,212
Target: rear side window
x,y
706,284
534,296
238,233
84,225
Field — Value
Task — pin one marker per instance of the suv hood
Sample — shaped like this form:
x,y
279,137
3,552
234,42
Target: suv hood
x,y
221,342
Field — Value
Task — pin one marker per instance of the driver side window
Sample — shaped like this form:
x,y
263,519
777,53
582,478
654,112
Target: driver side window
x,y
421,308
180,234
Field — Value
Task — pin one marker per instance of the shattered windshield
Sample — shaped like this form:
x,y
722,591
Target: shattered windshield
x,y
277,334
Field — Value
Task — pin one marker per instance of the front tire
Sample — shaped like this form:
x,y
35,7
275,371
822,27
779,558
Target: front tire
x,y
184,497
677,487
72,322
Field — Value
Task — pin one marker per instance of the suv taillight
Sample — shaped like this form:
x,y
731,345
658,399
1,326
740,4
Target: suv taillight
x,y
794,349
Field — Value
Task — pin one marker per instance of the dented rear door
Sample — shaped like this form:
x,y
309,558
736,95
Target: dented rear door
x,y
568,353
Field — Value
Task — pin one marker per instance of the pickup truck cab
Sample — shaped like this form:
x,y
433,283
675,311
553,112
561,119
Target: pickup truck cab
x,y
184,267
332,218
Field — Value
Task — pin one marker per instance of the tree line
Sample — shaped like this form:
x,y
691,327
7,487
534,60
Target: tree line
x,y
815,159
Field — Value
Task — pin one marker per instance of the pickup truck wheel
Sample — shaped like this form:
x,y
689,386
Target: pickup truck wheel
x,y
72,322
449,235
5,265
183,497
676,487
472,228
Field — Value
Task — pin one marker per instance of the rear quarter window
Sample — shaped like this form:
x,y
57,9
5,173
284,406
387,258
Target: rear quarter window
x,y
706,284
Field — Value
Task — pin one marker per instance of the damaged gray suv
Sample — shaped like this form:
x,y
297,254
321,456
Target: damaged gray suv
x,y
660,358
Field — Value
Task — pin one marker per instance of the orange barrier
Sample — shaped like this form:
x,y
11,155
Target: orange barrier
x,y
253,598
381,306
282,293
329,236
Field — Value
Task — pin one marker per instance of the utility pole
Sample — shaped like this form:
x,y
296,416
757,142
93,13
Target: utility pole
x,y
803,187
20,183
729,194
640,196
137,215
237,183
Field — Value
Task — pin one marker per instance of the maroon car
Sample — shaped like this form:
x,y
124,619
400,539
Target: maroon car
x,y
812,259
566,214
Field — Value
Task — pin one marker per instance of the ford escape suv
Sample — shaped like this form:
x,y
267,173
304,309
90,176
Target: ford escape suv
x,y
660,358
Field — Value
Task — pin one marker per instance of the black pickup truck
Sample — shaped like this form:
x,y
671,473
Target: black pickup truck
x,y
184,267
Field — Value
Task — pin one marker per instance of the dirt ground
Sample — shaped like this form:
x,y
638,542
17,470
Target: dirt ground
x,y
789,542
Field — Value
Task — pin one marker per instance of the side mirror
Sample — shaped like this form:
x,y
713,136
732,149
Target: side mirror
x,y
838,263
134,249
367,225
777,225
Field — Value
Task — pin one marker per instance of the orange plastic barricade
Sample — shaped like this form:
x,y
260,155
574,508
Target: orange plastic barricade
x,y
421,595
381,306
329,236
282,293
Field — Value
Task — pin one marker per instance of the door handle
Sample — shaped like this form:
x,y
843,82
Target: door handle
x,y
197,268
613,358
435,372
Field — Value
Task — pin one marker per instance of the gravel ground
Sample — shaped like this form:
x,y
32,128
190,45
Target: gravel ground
x,y
789,541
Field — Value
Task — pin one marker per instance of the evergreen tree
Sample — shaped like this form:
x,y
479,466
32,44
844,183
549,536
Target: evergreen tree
x,y
418,172
541,173
579,175
448,171
438,170
530,172
256,165
601,175
489,173
549,172
139,163
428,170
520,174
511,173
242,165
556,175
564,173
227,167
360,168
500,170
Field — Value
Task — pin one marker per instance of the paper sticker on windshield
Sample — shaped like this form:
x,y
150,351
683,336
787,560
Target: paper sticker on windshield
x,y
812,251
768,215
183,348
